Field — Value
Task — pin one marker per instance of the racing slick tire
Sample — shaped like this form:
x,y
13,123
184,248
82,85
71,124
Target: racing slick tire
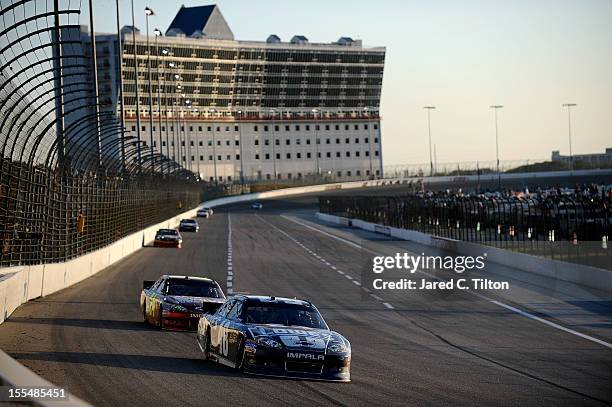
x,y
205,345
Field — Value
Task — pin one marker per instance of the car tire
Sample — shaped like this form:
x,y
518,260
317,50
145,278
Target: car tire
x,y
206,344
161,320
240,363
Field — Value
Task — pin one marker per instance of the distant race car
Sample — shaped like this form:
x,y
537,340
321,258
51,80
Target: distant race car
x,y
188,225
257,205
168,238
204,212
178,302
210,211
274,336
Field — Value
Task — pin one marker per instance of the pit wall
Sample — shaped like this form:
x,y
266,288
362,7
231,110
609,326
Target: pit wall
x,y
586,276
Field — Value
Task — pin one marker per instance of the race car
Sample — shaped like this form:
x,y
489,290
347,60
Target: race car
x,y
257,205
178,302
168,238
204,212
274,336
188,225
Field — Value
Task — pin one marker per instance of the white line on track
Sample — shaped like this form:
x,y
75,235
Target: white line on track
x,y
230,267
317,256
498,303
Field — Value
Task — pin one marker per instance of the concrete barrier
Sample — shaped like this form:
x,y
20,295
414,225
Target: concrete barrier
x,y
587,276
15,374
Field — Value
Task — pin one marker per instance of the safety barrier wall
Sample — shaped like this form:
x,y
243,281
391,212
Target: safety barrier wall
x,y
587,276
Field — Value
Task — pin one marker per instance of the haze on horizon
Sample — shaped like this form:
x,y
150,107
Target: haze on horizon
x,y
461,56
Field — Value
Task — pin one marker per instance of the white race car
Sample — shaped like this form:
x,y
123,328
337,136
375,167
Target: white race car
x,y
204,212
257,205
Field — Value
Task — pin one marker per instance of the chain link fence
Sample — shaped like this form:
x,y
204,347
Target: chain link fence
x,y
569,228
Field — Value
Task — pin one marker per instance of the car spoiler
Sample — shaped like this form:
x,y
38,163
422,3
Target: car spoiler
x,y
146,284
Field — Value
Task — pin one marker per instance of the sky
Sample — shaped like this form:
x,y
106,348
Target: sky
x,y
462,56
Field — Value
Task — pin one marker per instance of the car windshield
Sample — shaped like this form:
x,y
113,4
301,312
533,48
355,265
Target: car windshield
x,y
193,288
284,314
167,232
188,222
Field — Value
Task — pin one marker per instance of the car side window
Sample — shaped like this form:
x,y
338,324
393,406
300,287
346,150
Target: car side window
x,y
236,312
156,285
223,311
160,287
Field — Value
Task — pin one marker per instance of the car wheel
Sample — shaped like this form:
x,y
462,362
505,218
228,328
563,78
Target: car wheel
x,y
205,344
161,320
240,357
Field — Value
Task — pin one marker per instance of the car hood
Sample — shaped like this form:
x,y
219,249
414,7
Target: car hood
x,y
167,237
294,338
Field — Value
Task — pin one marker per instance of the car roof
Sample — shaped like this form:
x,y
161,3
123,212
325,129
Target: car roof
x,y
267,299
179,277
187,220
167,230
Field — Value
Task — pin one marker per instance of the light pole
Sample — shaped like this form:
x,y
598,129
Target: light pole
x,y
139,153
120,87
273,112
158,33
569,106
241,158
94,60
367,112
214,147
496,108
431,166
316,143
165,53
149,12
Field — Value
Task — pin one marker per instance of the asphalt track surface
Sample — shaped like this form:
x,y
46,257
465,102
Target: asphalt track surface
x,y
427,350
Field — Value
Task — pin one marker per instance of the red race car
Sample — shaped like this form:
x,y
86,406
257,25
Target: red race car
x,y
168,238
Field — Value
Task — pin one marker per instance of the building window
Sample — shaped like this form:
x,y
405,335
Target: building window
x,y
209,128
227,128
235,128
375,140
337,127
327,127
163,144
201,143
199,128
182,128
347,140
327,141
298,155
209,143
317,127
376,128
182,143
328,154
319,155
268,176
237,142
366,140
298,142
142,128
346,127
256,142
357,141
255,128
348,173
257,156
267,156
228,157
357,128
192,143
357,153
288,142
190,128
227,143
277,142
237,156
210,158
376,153
266,142
288,156
265,128
154,128
297,127
358,173
308,141
338,155
154,143
365,127
339,173
337,141
163,128
133,128
308,155
287,127
307,129
276,128
289,176
348,153
218,142
367,153
278,156
192,158
219,157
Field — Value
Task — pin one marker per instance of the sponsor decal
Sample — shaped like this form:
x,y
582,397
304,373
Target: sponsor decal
x,y
304,356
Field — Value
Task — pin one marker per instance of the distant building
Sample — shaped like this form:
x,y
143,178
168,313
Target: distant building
x,y
594,159
269,109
